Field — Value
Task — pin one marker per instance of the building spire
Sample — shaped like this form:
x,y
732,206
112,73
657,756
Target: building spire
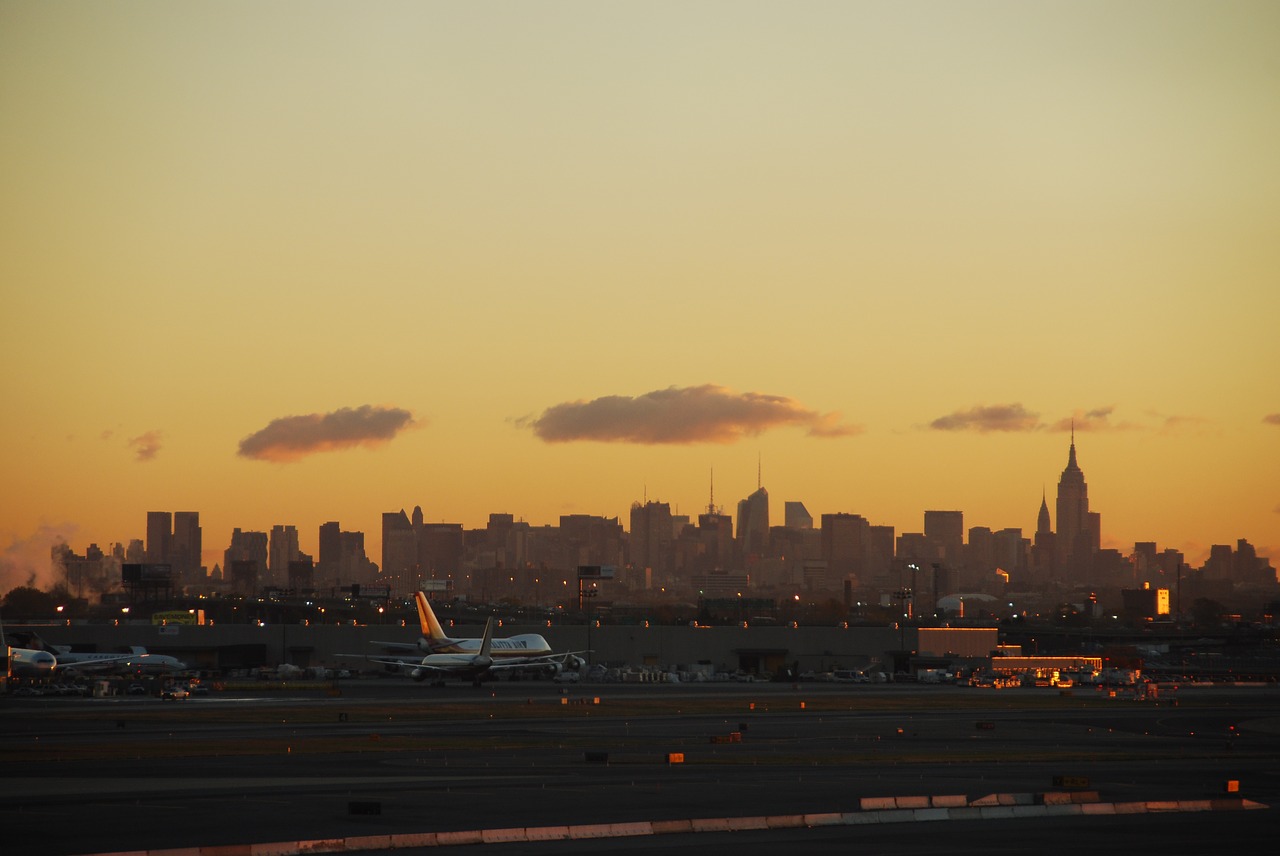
x,y
757,470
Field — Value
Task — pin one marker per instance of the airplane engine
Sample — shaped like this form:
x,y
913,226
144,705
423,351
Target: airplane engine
x,y
552,669
418,675
573,664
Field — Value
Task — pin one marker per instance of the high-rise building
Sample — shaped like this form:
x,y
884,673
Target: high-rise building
x,y
186,547
328,570
399,551
1078,532
945,533
844,544
159,537
753,525
283,550
796,516
245,560
1044,552
652,537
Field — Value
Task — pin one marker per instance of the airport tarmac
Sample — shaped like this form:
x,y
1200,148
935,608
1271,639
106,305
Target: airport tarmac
x,y
384,758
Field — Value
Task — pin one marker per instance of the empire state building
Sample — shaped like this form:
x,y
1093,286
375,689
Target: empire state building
x,y
1079,532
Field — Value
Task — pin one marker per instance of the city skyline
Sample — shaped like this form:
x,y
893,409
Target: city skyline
x,y
287,266
170,534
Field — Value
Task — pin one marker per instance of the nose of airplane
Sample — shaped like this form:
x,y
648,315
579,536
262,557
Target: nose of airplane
x,y
43,660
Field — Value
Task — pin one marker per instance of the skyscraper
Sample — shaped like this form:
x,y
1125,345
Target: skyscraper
x,y
186,547
283,550
753,524
1076,535
159,537
652,536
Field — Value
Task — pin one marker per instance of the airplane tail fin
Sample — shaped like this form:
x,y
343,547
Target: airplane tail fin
x,y
427,620
487,641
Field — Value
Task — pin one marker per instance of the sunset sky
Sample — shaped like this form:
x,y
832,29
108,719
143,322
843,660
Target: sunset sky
x,y
286,263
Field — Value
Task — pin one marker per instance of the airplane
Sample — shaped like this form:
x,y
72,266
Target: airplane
x,y
136,661
26,662
42,659
526,652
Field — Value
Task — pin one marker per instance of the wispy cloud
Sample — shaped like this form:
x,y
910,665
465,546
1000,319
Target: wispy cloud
x,y
146,446
1272,419
293,437
984,418
1086,421
695,414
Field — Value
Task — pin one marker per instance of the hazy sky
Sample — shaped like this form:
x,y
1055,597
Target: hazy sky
x,y
285,263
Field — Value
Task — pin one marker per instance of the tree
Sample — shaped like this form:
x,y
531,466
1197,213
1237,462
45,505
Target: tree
x,y
28,602
1206,612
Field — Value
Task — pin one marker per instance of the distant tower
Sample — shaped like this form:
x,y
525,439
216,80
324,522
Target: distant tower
x,y
1074,535
187,547
1043,549
159,537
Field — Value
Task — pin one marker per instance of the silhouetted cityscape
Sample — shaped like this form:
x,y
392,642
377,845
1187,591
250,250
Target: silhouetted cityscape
x,y
666,557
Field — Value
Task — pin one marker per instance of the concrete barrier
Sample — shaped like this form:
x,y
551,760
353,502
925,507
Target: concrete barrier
x,y
369,842
890,810
784,821
631,830
710,824
746,824
1195,805
911,802
951,801
997,812
462,836
1064,810
276,848
878,803
589,830
414,839
547,833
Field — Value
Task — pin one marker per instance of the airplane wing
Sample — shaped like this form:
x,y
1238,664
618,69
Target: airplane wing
x,y
406,662
97,663
398,646
548,662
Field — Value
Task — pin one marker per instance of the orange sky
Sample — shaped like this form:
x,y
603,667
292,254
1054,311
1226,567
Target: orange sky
x,y
292,263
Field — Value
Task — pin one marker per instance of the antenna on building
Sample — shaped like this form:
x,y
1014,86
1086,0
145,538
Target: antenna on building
x,y
757,470
711,503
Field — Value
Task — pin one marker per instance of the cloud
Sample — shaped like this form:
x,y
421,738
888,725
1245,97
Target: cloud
x,y
984,418
291,438
146,446
1089,420
1272,419
695,414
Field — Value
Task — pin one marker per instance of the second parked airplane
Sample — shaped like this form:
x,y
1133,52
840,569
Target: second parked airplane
x,y
447,656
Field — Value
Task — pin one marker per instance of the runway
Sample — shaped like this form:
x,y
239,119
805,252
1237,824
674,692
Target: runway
x,y
387,758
